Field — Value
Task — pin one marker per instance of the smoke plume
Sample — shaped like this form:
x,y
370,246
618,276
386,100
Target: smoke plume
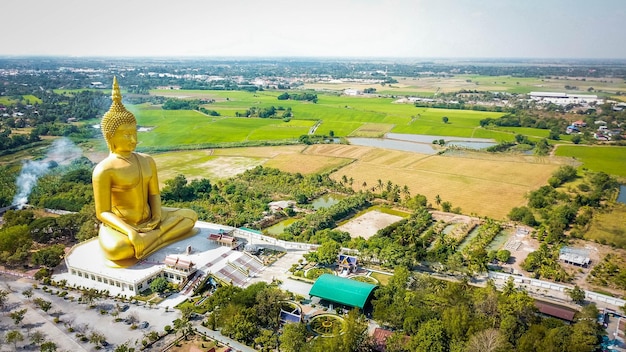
x,y
61,152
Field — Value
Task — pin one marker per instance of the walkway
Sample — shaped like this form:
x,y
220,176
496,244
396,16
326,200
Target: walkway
x,y
224,340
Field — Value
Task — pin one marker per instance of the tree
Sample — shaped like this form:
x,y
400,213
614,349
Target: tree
x,y
49,346
3,298
43,304
576,294
503,255
96,338
37,337
18,316
28,293
14,337
446,206
327,253
159,285
293,338
489,340
431,337
437,200
49,256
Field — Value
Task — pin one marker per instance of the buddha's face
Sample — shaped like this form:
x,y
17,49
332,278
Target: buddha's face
x,y
124,139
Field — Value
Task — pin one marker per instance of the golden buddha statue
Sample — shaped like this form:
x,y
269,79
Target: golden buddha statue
x,y
126,193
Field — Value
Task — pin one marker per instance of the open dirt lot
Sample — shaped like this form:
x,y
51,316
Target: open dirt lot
x,y
368,224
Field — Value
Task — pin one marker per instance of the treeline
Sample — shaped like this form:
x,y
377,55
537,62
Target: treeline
x,y
457,106
184,104
298,96
434,315
268,112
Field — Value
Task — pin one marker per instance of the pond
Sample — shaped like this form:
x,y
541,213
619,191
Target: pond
x,y
468,238
384,143
498,241
621,198
470,144
421,143
326,200
279,228
427,138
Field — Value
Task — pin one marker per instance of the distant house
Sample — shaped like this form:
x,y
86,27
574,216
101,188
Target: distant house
x,y
352,92
575,256
579,123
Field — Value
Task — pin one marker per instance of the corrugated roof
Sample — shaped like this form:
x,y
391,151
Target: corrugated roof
x,y
555,311
341,290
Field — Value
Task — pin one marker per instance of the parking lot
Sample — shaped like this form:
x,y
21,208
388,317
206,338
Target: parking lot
x,y
80,317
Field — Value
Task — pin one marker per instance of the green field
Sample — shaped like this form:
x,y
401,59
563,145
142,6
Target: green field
x,y
609,227
609,159
27,99
344,116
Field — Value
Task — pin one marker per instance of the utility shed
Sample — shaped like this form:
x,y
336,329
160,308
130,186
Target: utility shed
x,y
341,290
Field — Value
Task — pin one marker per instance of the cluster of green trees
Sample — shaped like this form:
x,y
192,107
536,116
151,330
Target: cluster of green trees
x,y
610,272
183,104
326,218
433,315
243,199
561,210
298,96
49,116
26,241
264,113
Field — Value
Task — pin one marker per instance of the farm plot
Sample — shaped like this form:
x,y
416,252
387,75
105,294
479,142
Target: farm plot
x,y
485,187
608,159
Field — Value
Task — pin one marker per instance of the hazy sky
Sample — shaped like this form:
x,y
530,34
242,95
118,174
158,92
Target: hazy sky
x,y
337,28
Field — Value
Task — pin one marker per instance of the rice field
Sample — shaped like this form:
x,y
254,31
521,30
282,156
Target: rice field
x,y
344,116
609,159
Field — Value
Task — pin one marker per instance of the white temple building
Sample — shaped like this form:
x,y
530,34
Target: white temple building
x,y
186,262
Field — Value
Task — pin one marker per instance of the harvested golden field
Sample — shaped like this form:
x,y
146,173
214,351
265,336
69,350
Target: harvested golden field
x,y
480,186
479,183
224,163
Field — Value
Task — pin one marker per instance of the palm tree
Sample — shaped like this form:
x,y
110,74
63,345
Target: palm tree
x,y
364,184
380,184
437,200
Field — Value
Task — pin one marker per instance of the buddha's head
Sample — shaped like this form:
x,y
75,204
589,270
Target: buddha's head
x,y
116,116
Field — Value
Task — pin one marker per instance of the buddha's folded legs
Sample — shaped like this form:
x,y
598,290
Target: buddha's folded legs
x,y
175,223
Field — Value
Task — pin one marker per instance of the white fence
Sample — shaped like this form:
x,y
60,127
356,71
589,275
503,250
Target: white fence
x,y
287,245
589,295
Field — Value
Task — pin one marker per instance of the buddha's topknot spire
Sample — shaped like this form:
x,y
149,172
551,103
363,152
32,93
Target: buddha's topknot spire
x,y
116,95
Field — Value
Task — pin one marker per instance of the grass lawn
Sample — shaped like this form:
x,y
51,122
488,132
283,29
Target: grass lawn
x,y
383,279
609,159
609,228
28,99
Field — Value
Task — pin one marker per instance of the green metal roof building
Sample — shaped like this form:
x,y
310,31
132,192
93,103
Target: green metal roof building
x,y
341,290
